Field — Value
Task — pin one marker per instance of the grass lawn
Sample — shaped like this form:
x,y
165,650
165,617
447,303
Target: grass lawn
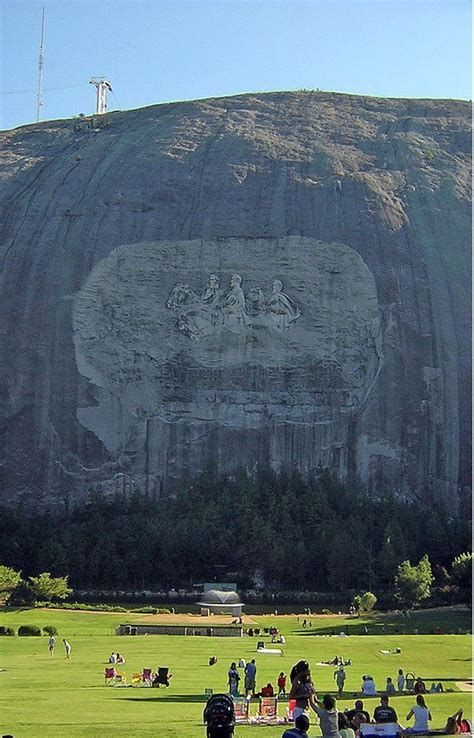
x,y
49,697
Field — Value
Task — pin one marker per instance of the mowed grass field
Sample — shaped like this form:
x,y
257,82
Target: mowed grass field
x,y
49,697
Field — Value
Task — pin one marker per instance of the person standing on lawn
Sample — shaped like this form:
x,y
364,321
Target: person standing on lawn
x,y
340,677
67,647
250,677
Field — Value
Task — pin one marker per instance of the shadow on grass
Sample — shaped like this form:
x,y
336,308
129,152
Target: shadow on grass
x,y
349,630
200,698
168,698
426,622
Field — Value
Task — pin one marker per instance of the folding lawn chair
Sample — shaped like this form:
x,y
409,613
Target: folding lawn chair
x,y
290,711
241,709
120,679
268,710
162,676
147,677
109,675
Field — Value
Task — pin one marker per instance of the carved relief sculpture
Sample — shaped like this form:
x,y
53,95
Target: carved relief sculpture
x,y
200,317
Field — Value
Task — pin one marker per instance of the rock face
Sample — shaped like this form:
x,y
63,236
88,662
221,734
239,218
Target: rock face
x,y
276,278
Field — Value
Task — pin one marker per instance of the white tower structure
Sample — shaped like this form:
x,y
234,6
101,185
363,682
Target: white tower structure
x,y
39,95
102,85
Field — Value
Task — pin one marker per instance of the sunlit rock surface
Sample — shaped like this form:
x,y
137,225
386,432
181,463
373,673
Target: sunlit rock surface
x,y
277,278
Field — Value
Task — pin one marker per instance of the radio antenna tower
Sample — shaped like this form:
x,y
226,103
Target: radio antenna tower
x,y
102,86
39,95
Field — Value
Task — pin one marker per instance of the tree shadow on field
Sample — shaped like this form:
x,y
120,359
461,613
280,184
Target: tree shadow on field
x,y
168,698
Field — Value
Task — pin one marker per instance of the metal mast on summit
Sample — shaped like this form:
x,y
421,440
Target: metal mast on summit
x,y
39,95
102,86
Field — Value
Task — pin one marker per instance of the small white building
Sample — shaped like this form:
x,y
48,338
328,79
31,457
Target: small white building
x,y
222,601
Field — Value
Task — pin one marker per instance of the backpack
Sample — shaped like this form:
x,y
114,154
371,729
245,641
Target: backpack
x,y
219,715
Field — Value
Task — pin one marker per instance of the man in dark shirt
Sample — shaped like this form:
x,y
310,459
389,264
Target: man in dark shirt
x,y
358,708
384,713
300,729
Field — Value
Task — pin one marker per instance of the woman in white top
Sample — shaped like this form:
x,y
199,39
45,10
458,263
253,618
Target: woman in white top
x,y
421,714
368,686
400,681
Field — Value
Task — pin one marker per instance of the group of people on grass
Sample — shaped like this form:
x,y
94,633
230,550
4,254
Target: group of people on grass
x,y
347,724
66,644
250,680
116,658
369,689
454,725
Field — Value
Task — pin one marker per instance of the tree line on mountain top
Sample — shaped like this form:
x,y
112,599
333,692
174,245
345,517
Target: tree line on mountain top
x,y
299,534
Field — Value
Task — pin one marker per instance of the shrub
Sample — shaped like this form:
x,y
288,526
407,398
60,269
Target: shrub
x,y
29,630
103,608
6,631
50,630
364,602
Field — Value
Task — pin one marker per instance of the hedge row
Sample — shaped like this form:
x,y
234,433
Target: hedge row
x,y
28,630
147,609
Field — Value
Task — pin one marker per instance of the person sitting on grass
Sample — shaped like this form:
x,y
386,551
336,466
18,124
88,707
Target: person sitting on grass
x,y
120,659
368,686
301,728
358,715
390,687
456,724
267,691
384,713
421,714
328,718
345,728
419,686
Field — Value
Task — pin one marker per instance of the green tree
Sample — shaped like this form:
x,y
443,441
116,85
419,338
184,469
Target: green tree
x,y
461,575
364,602
9,580
413,583
46,587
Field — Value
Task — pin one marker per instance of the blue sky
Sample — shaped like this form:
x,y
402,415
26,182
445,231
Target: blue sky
x,y
156,51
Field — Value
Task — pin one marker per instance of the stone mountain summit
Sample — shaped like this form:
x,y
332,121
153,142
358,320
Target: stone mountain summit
x,y
275,279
